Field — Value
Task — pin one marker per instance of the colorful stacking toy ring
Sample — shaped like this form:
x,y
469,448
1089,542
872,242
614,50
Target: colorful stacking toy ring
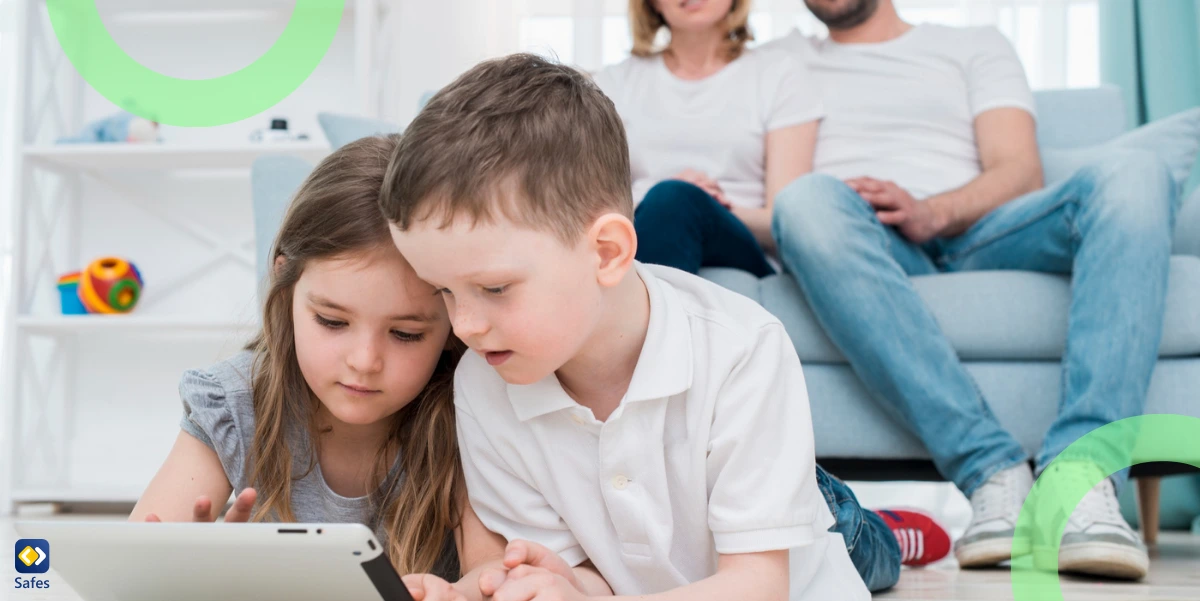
x,y
110,285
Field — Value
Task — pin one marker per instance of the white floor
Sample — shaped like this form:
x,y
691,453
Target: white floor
x,y
1174,576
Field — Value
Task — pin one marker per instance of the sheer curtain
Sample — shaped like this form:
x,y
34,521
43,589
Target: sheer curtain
x,y
1058,40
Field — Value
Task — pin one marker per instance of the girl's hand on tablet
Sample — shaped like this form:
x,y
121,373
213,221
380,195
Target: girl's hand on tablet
x,y
202,509
427,587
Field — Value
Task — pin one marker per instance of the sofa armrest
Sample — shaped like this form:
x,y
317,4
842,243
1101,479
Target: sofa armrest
x,y
1187,226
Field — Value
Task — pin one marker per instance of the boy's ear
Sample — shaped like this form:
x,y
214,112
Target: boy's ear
x,y
614,241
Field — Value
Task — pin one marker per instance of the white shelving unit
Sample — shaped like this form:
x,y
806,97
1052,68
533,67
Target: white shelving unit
x,y
90,401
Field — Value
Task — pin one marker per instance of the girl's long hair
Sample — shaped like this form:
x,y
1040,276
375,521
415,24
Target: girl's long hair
x,y
335,214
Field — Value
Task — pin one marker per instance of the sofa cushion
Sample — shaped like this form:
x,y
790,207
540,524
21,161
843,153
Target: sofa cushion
x,y
344,129
1175,139
848,423
987,315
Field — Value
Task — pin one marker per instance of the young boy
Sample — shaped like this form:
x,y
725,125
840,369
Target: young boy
x,y
645,425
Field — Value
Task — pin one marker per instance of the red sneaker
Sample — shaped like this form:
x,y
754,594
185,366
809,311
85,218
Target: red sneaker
x,y
922,540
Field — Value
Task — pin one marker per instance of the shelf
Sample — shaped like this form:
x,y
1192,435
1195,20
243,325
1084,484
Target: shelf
x,y
132,324
167,156
194,11
109,494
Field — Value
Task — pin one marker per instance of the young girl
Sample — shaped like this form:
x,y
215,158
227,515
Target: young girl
x,y
341,410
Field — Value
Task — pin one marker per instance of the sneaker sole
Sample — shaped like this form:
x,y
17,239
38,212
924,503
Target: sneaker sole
x,y
984,554
1104,559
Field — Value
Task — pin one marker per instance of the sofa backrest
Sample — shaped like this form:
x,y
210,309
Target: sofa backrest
x,y
1078,118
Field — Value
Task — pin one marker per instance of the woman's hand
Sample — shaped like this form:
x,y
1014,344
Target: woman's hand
x,y
704,182
202,509
427,587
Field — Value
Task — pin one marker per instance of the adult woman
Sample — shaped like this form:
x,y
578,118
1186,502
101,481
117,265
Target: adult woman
x,y
715,131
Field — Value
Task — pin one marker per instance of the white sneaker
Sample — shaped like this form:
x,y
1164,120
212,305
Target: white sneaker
x,y
1098,541
995,506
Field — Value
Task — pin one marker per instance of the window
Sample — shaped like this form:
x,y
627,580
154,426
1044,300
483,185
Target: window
x,y
1058,40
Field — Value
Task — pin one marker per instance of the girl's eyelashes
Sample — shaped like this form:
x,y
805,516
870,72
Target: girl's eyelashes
x,y
332,324
400,335
495,291
407,336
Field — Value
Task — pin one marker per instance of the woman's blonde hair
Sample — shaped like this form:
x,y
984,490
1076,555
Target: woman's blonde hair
x,y
645,22
336,214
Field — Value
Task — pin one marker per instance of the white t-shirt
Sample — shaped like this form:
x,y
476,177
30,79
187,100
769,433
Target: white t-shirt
x,y
904,110
710,452
717,125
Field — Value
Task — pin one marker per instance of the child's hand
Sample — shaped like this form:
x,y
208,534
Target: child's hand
x,y
427,587
527,583
527,553
202,510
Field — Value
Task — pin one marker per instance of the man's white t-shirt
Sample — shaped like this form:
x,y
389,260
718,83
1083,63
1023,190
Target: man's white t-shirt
x,y
710,452
904,110
717,125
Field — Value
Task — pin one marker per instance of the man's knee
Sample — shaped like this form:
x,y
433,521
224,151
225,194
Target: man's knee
x,y
1134,188
811,214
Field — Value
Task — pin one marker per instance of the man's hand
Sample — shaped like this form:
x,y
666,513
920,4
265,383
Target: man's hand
x,y
894,206
427,587
527,583
530,554
202,509
704,182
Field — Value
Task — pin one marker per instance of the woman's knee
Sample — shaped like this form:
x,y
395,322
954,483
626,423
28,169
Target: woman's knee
x,y
675,198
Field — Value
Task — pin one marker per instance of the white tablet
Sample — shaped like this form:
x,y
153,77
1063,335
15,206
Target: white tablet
x,y
121,561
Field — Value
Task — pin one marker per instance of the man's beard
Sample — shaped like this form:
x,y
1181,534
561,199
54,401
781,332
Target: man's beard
x,y
855,13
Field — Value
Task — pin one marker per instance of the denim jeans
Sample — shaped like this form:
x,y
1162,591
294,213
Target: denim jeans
x,y
1109,225
681,226
872,546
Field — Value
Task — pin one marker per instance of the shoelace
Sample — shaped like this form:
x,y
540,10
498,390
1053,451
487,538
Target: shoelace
x,y
912,543
989,505
1100,500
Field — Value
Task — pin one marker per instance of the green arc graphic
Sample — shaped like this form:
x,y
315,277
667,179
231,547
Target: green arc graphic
x,y
1062,485
195,102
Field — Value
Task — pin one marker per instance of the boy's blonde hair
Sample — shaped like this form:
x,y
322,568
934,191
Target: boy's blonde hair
x,y
645,22
335,215
534,140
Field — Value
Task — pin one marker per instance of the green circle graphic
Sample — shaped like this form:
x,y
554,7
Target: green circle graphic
x,y
1062,485
195,102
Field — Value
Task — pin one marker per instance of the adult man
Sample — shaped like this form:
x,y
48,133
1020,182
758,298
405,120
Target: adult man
x,y
927,161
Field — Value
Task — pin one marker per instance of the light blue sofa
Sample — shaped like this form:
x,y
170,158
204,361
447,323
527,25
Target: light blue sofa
x,y
1009,327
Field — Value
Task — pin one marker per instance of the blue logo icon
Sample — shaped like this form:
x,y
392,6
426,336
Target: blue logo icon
x,y
32,556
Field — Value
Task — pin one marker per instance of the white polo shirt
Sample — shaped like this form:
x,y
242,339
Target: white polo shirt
x,y
710,452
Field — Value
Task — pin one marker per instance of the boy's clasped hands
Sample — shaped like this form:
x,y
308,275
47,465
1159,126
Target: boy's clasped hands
x,y
529,572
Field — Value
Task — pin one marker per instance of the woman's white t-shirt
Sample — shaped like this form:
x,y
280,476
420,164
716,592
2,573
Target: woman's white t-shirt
x,y
717,125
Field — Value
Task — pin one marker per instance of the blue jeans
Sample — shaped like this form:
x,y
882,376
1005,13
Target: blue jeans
x,y
1109,225
681,226
872,546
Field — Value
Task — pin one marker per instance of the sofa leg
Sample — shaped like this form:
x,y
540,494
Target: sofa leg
x,y
1148,496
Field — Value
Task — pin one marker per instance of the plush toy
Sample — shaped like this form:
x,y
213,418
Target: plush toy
x,y
121,127
108,285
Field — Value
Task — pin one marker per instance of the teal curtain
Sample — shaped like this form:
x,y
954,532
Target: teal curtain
x,y
1151,49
